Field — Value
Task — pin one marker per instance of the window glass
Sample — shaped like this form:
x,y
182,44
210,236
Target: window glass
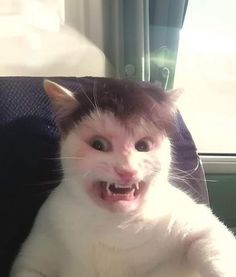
x,y
206,70
36,40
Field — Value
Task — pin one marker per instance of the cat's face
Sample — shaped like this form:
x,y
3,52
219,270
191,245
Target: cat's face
x,y
115,164
111,161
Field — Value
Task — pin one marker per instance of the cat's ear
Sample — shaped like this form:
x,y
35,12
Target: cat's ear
x,y
62,100
173,95
172,100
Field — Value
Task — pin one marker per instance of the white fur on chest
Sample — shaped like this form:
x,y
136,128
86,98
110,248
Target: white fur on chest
x,y
147,260
92,247
140,262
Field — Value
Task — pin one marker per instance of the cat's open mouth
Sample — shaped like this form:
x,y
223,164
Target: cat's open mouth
x,y
118,196
113,192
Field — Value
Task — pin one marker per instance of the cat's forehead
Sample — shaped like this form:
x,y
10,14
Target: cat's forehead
x,y
123,98
130,102
106,123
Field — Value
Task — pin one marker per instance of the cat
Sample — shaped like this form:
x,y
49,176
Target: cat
x,y
115,214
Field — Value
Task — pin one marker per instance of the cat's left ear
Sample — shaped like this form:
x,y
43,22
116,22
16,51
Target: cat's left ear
x,y
62,100
174,95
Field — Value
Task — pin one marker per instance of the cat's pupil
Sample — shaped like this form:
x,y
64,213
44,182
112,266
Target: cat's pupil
x,y
98,145
142,146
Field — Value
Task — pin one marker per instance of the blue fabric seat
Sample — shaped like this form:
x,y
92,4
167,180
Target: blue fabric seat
x,y
29,142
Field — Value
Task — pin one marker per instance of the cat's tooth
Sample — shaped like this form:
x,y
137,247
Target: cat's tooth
x,y
107,188
131,194
122,186
136,186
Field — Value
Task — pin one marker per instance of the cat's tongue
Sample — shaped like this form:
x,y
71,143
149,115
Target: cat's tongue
x,y
111,192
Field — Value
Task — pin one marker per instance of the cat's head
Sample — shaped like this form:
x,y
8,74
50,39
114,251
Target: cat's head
x,y
115,144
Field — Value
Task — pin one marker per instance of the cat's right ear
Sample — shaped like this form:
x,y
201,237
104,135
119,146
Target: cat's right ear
x,y
62,100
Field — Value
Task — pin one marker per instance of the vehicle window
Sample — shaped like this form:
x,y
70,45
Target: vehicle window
x,y
206,70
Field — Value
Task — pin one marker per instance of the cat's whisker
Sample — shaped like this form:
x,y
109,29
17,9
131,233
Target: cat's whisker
x,y
182,174
196,179
85,94
86,174
56,180
190,178
184,179
95,99
188,188
64,157
72,158
55,158
57,170
186,171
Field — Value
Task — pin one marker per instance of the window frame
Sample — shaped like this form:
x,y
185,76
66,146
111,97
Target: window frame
x,y
219,164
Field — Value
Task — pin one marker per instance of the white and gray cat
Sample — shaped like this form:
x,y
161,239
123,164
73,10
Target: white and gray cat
x,y
115,214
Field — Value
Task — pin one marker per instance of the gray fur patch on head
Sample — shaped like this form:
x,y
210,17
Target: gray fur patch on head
x,y
126,99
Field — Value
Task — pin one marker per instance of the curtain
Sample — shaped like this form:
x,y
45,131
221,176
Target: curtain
x,y
142,40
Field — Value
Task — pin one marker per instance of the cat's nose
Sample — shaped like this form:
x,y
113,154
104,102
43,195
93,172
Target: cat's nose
x,y
126,175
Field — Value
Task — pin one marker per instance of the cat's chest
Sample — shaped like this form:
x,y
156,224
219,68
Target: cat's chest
x,y
99,259
144,261
137,261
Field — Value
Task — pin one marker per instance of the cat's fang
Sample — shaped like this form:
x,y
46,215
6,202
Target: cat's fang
x,y
112,192
137,186
107,188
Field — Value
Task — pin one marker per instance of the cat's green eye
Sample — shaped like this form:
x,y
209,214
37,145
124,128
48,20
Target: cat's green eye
x,y
100,144
143,145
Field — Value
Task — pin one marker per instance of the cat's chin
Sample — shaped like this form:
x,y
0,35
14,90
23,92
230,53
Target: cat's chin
x,y
118,197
